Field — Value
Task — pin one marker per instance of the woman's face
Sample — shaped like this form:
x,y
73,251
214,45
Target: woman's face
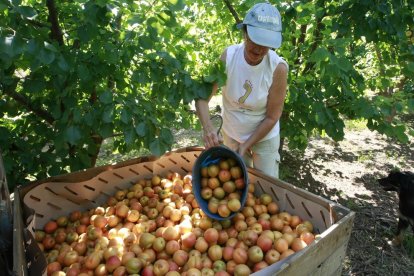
x,y
254,53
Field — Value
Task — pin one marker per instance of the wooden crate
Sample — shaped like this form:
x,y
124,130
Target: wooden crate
x,y
48,199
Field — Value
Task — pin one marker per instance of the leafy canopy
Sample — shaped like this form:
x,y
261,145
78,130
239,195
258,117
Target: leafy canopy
x,y
74,73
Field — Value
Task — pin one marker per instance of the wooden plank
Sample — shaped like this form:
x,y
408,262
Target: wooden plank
x,y
315,257
335,237
290,199
333,264
303,193
19,258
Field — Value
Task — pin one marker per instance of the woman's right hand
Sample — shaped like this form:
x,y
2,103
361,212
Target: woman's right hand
x,y
211,139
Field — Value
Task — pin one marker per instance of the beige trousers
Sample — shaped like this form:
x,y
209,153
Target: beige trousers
x,y
264,156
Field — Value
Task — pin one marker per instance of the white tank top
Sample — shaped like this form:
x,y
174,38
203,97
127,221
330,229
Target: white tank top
x,y
245,93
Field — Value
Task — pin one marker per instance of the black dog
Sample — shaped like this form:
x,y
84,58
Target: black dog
x,y
403,183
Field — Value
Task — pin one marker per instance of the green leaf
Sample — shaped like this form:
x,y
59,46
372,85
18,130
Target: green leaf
x,y
107,115
46,57
87,32
141,129
156,147
140,76
320,54
77,115
106,97
177,4
50,47
125,116
410,66
385,83
135,19
129,136
102,3
106,130
72,135
166,136
166,16
5,45
344,64
145,42
34,85
88,119
55,169
63,64
202,91
83,73
399,107
3,7
85,159
27,12
12,46
399,132
210,78
187,81
333,70
410,105
4,134
321,118
32,46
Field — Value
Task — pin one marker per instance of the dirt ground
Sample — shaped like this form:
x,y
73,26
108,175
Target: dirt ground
x,y
346,172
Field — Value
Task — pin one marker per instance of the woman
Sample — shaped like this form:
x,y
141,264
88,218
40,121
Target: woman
x,y
254,93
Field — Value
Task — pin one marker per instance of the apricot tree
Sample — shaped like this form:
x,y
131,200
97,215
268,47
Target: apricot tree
x,y
74,73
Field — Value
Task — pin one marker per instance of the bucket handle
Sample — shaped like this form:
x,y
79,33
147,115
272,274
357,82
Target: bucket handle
x,y
221,122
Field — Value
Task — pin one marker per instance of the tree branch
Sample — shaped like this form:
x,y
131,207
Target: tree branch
x,y
36,23
317,39
401,83
98,142
300,41
232,11
56,32
386,90
10,90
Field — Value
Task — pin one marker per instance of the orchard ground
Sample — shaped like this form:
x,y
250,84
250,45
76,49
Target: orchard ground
x,y
345,172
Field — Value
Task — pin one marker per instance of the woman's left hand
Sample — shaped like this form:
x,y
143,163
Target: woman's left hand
x,y
242,150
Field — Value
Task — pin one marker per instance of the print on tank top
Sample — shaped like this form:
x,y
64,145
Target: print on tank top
x,y
248,87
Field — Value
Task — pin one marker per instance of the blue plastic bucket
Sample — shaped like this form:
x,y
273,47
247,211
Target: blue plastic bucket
x,y
213,156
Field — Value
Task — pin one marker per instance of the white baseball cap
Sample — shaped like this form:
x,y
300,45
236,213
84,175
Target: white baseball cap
x,y
264,25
